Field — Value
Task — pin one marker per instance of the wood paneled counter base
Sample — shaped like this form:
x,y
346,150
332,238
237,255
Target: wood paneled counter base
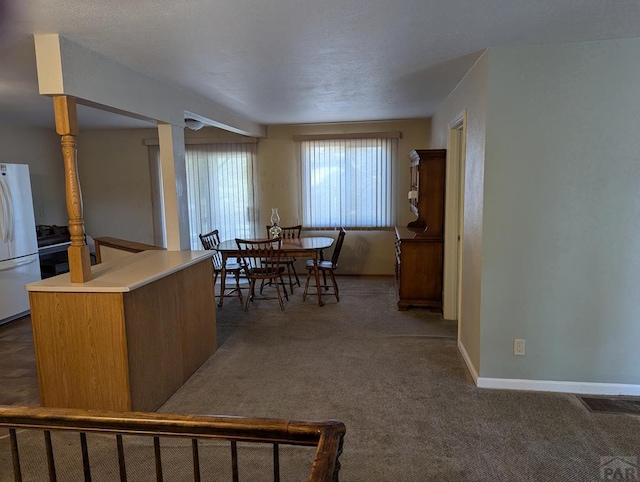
x,y
130,337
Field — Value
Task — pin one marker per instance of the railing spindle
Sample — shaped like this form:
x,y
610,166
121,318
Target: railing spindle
x,y
121,463
326,436
51,464
196,460
15,456
276,463
336,467
156,450
86,467
234,460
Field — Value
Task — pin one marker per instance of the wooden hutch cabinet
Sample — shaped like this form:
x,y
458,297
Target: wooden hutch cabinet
x,y
420,246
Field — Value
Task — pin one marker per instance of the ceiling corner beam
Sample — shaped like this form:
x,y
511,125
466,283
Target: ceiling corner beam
x,y
68,68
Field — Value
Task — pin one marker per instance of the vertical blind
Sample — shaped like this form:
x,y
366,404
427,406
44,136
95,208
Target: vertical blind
x,y
347,182
220,190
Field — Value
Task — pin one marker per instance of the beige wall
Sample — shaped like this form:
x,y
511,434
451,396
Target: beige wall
x,y
39,148
114,175
560,248
470,94
116,180
551,195
113,166
364,252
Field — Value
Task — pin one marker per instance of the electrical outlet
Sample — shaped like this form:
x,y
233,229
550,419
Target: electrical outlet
x,y
518,347
42,212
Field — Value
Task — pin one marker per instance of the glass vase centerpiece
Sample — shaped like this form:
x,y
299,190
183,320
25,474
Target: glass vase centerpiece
x,y
275,229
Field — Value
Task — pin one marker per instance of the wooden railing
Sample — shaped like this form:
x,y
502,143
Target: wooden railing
x,y
326,437
121,245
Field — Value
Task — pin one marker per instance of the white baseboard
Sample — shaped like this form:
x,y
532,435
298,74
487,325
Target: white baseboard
x,y
589,388
467,360
584,388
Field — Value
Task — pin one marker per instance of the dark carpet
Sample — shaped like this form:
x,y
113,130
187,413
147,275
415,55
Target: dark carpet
x,y
399,383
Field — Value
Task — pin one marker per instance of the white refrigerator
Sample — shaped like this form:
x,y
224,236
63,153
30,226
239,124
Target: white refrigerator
x,y
19,261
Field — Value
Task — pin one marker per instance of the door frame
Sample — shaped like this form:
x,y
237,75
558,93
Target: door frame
x,y
454,217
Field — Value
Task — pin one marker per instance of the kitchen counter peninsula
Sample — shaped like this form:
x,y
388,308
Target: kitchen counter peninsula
x,y
128,338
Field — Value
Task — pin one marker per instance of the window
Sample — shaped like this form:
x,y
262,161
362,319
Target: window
x,y
347,182
220,190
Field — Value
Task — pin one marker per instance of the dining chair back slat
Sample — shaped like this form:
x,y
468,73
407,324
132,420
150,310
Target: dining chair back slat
x,y
261,261
289,262
288,232
210,241
326,267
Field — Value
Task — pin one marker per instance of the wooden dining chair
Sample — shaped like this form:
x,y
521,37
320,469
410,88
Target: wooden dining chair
x,y
290,232
261,261
326,267
209,242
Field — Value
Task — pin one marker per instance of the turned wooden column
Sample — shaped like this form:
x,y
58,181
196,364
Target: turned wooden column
x,y
67,126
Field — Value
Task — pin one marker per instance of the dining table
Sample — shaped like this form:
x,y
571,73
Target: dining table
x,y
309,247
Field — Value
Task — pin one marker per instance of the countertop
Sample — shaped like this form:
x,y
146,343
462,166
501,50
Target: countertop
x,y
126,274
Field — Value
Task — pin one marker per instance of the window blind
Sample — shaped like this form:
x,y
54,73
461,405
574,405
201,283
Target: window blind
x,y
347,182
220,190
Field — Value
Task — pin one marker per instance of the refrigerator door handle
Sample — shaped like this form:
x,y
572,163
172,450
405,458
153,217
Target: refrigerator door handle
x,y
10,221
4,212
14,263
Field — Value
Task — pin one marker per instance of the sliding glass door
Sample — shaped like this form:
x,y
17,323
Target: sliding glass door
x,y
220,189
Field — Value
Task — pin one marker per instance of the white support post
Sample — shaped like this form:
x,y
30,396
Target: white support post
x,y
174,187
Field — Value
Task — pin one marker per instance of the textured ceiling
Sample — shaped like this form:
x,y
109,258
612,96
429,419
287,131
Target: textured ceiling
x,y
294,61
